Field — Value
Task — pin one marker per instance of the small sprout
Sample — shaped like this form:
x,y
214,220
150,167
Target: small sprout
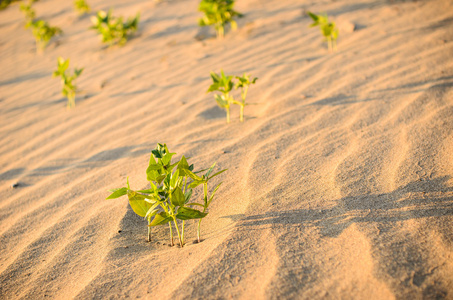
x,y
28,11
243,83
42,32
328,29
113,30
218,13
81,6
223,84
168,199
68,87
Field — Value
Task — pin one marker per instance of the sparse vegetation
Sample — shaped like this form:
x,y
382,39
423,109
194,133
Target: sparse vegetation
x,y
328,29
112,29
225,84
168,199
67,81
218,13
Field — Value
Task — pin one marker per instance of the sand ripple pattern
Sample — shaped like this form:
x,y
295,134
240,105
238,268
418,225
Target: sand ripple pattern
x,y
339,183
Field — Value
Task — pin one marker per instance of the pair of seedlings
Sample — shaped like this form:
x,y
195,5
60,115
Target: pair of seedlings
x,y
169,198
225,85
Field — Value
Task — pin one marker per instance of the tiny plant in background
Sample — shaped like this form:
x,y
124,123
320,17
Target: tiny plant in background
x,y
81,6
68,87
168,199
218,13
328,29
243,83
28,11
42,32
112,29
223,84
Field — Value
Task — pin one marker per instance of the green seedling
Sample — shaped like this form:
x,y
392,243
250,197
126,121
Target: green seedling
x,y
243,83
168,199
112,29
68,87
82,7
218,13
328,29
28,11
223,84
42,32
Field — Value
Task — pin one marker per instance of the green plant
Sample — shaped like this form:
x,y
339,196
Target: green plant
x,y
68,87
28,11
243,83
168,199
42,32
81,6
112,29
328,29
223,84
218,13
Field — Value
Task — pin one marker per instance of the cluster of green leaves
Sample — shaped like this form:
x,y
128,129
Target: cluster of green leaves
x,y
81,7
218,13
328,29
112,29
68,87
225,85
42,32
169,198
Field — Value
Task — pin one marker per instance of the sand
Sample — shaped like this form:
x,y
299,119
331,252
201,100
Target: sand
x,y
339,182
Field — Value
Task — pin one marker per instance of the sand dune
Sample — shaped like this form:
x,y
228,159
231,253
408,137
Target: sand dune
x,y
339,182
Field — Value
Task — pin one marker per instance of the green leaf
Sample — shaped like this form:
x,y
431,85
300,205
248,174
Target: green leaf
x,y
152,210
210,169
196,183
161,219
177,197
192,174
117,193
187,195
174,179
218,173
138,203
213,193
186,213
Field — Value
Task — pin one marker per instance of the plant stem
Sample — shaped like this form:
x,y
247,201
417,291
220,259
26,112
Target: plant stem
x,y
228,114
177,230
182,230
171,234
329,42
149,230
205,199
241,116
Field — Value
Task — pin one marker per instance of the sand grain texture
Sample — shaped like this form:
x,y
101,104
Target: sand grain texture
x,y
340,179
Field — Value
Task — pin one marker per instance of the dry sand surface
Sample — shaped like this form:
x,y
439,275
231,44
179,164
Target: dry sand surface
x,y
339,182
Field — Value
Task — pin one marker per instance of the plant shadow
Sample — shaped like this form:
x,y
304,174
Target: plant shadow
x,y
412,201
214,112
